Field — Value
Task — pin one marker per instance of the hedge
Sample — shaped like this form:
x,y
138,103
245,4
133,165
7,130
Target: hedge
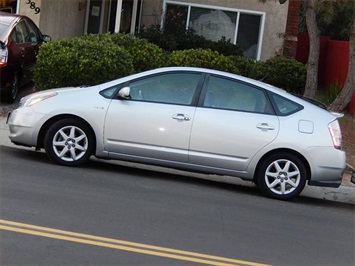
x,y
202,58
80,61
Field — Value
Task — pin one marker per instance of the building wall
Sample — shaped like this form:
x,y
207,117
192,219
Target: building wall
x,y
25,9
66,18
275,20
59,19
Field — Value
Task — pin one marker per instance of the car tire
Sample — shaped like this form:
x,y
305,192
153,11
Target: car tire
x,y
69,142
11,95
281,176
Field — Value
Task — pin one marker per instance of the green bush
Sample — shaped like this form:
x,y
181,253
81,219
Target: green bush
x,y
334,18
245,65
282,72
145,55
202,58
178,39
167,42
80,61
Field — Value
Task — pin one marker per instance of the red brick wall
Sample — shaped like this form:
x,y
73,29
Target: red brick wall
x,y
292,28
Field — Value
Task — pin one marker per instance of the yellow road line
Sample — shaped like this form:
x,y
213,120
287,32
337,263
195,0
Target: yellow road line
x,y
120,244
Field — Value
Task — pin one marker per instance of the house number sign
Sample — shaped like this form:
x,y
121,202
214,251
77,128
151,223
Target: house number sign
x,y
33,6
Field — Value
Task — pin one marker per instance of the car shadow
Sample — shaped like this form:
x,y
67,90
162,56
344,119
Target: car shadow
x,y
164,174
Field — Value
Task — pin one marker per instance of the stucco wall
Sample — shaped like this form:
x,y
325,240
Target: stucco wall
x,y
25,9
57,18
63,18
275,19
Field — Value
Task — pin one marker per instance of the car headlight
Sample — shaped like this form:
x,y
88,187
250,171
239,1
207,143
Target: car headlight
x,y
36,98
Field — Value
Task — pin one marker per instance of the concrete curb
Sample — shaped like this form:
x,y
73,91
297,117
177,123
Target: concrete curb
x,y
345,193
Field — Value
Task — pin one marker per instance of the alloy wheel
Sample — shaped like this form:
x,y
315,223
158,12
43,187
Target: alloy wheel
x,y
70,143
282,177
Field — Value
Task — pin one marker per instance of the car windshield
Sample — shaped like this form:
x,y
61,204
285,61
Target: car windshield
x,y
3,29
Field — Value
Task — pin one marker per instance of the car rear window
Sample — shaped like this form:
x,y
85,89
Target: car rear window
x,y
284,106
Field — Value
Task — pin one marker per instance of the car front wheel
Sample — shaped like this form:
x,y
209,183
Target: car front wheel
x,y
69,142
282,176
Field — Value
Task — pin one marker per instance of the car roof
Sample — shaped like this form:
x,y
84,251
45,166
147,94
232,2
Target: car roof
x,y
216,72
7,20
257,83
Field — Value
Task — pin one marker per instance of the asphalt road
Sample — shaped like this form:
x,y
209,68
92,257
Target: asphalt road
x,y
105,214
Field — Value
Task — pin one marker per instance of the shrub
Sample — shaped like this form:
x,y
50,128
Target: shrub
x,y
282,72
145,55
202,58
80,61
167,42
225,47
177,39
245,65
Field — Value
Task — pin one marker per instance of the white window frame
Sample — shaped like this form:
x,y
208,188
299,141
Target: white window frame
x,y
236,10
118,15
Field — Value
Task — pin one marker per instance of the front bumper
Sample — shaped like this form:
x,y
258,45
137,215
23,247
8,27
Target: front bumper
x,y
24,125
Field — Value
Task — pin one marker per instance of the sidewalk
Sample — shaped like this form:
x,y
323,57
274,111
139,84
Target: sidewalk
x,y
345,193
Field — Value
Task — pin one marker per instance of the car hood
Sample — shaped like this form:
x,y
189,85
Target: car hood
x,y
60,90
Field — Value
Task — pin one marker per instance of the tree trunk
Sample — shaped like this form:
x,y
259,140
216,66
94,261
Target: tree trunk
x,y
314,49
346,94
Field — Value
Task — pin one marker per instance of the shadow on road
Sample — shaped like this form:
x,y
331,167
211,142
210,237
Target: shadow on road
x,y
98,168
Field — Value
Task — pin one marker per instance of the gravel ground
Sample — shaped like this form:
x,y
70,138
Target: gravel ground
x,y
6,108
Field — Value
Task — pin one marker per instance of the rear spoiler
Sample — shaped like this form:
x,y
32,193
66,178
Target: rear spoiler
x,y
338,115
313,101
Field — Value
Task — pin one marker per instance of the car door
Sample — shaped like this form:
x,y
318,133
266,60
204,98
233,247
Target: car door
x,y
22,53
35,38
234,121
155,123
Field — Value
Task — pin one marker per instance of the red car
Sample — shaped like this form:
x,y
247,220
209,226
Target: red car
x,y
20,39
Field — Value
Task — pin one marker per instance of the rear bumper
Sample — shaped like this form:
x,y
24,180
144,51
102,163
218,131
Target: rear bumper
x,y
334,184
327,166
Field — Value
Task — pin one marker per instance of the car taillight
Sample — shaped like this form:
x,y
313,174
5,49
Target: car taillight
x,y
3,55
335,133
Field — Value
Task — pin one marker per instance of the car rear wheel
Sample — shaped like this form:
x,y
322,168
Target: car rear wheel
x,y
69,142
11,95
282,176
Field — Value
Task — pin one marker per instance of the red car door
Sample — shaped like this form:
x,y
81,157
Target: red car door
x,y
23,53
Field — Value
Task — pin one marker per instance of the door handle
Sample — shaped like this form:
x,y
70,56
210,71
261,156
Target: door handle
x,y
265,127
181,117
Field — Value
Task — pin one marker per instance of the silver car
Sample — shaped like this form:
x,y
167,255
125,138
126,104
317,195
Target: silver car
x,y
189,118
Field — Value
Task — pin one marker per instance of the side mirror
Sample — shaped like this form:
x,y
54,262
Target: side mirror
x,y
46,38
124,93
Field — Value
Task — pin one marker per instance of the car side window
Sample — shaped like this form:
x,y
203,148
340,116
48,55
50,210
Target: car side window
x,y
33,33
283,106
174,88
234,95
20,33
